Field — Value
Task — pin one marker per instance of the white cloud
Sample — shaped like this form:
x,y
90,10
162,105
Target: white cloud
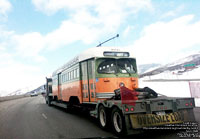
x,y
108,13
5,37
93,15
52,6
29,45
5,7
127,31
101,6
87,21
163,41
70,32
173,13
4,33
15,75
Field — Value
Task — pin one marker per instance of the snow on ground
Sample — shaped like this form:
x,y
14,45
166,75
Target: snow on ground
x,y
20,91
175,88
171,89
193,74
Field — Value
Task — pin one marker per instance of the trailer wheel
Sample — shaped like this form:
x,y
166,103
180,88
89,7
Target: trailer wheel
x,y
46,100
102,117
118,122
49,101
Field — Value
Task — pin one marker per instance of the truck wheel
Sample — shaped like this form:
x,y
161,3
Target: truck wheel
x,y
102,117
49,101
118,122
46,100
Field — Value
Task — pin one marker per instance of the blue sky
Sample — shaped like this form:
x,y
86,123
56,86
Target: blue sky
x,y
38,36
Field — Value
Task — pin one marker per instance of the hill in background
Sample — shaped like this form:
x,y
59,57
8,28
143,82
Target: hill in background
x,y
186,65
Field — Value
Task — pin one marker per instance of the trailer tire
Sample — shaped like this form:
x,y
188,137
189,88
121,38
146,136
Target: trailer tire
x,y
49,101
102,117
46,100
118,122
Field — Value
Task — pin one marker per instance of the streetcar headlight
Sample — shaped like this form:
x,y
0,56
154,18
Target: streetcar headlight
x,y
121,84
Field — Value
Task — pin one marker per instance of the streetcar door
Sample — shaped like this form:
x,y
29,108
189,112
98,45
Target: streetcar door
x,y
59,87
91,79
85,82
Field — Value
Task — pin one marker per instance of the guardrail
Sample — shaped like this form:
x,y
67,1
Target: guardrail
x,y
6,98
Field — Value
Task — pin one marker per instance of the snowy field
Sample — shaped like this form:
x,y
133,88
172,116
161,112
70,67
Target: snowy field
x,y
173,88
193,74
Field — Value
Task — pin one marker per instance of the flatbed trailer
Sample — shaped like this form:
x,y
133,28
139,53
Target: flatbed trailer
x,y
125,118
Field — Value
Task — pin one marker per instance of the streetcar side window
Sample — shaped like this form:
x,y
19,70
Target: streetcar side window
x,y
78,72
68,76
74,73
64,76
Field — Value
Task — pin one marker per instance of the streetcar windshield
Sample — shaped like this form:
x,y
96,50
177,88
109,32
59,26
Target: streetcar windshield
x,y
113,66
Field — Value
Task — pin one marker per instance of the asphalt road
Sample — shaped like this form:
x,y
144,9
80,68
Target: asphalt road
x,y
31,118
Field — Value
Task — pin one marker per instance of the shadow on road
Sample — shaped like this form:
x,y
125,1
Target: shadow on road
x,y
77,112
152,134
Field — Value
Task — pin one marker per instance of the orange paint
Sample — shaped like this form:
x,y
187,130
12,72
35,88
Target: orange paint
x,y
110,84
103,85
55,90
71,89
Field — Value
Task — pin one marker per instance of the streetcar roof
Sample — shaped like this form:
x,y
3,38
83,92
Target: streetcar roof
x,y
99,52
91,53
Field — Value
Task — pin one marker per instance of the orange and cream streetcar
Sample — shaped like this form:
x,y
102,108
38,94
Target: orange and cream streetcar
x,y
104,80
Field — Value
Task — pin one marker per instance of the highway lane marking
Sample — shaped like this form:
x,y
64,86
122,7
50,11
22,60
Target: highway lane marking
x,y
45,117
